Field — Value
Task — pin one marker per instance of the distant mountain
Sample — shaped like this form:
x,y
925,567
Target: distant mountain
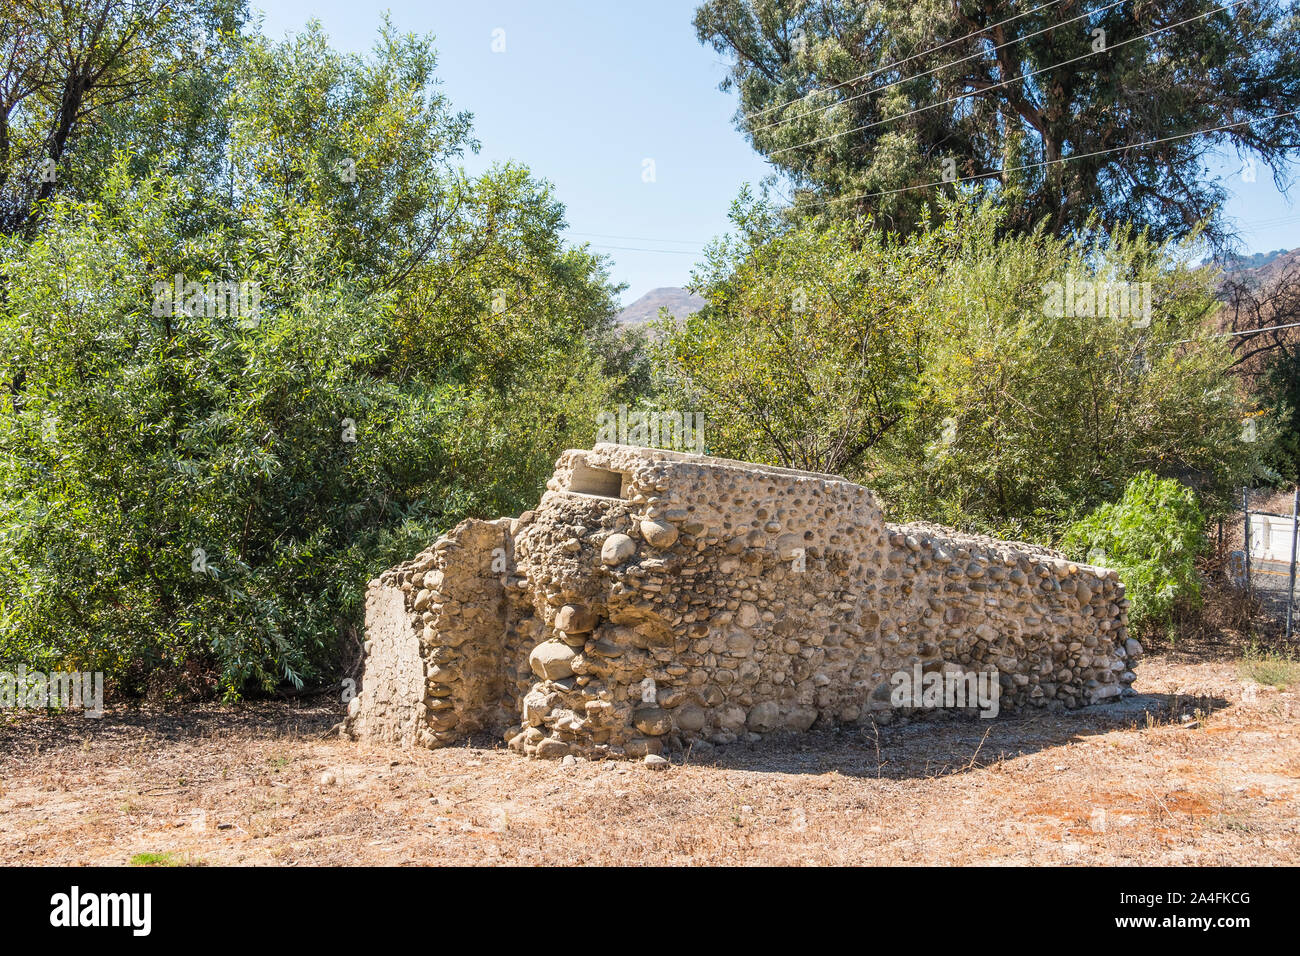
x,y
1235,263
1261,269
678,302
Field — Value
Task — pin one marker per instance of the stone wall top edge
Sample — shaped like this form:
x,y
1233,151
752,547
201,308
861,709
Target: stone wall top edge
x,y
452,536
951,536
688,458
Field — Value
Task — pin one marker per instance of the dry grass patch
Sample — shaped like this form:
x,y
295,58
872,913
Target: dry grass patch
x,y
1200,769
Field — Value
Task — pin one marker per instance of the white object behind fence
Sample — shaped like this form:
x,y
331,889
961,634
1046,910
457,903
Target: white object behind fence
x,y
1270,537
1271,548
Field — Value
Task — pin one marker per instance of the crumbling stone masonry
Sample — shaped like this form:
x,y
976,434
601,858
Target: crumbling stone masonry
x,y
656,598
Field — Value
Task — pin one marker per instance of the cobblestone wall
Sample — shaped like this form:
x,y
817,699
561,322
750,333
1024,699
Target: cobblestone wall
x,y
653,599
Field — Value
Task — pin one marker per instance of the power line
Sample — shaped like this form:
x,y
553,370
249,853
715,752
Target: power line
x,y
1002,83
606,235
981,53
1270,328
680,252
1228,335
598,245
1272,220
889,66
1245,223
1052,162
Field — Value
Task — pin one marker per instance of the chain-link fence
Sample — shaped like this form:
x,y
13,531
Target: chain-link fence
x,y
1261,546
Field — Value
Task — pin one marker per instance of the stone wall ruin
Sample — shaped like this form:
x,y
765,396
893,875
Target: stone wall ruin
x,y
654,599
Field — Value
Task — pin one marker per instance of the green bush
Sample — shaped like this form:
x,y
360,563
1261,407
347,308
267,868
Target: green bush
x,y
949,373
1152,537
182,485
1029,414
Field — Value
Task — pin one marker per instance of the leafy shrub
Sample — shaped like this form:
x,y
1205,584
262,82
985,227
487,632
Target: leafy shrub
x,y
182,485
947,372
1152,537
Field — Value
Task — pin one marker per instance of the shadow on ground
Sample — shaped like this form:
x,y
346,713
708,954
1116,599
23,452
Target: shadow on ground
x,y
23,734
934,746
940,745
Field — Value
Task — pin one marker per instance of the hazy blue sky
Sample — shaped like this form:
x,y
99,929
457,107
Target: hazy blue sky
x,y
587,90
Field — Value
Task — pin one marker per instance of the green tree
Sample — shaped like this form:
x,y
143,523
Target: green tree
x,y
180,482
1001,383
808,351
873,100
82,79
1053,372
1282,391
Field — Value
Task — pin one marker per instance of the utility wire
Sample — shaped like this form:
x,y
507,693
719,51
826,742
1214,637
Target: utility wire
x,y
973,56
680,252
889,66
606,235
1052,162
1228,335
699,245
1004,82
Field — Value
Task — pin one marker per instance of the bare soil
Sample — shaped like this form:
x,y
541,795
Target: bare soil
x,y
1198,769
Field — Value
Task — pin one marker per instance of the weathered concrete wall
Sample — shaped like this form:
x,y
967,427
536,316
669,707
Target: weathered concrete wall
x,y
656,598
436,642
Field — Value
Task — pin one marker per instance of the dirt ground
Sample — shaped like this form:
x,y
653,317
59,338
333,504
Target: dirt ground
x,y
1198,769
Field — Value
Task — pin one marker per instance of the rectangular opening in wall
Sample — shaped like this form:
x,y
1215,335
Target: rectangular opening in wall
x,y
596,481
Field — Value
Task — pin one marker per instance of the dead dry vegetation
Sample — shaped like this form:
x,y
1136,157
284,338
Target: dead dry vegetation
x,y
1200,768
